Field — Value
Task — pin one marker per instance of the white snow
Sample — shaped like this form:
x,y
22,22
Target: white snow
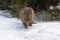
x,y
51,7
5,13
13,29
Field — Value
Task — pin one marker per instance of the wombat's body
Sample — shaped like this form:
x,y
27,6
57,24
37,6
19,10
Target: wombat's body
x,y
27,16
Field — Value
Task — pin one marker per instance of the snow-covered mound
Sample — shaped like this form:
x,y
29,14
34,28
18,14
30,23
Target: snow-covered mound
x,y
13,29
5,13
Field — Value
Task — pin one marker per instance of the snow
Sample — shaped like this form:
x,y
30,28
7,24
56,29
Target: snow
x,y
51,7
5,13
13,29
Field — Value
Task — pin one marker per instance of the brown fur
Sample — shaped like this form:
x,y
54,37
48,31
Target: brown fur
x,y
27,16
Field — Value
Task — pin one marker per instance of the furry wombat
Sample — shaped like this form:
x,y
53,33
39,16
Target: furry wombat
x,y
27,16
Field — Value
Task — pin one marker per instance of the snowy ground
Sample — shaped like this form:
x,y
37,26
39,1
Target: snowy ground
x,y
13,29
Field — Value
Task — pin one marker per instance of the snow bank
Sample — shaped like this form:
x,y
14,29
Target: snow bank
x,y
9,26
5,13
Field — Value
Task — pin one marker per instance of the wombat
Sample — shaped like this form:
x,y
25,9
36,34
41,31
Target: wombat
x,y
27,16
